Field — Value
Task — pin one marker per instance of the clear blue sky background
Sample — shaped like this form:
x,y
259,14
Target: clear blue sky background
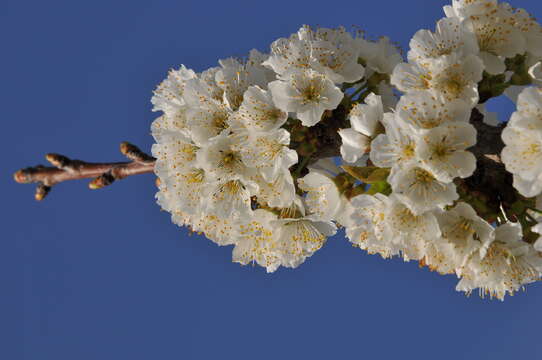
x,y
106,275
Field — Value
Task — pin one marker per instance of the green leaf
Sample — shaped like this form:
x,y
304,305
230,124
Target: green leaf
x,y
379,175
367,174
380,187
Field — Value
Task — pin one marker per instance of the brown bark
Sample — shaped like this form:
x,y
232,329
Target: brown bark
x,y
65,169
490,178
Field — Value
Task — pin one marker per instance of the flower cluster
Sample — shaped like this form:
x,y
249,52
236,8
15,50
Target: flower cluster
x,y
245,150
425,143
227,165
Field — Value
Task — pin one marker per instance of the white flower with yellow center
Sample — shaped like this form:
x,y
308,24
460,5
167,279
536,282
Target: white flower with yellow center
x,y
289,54
529,108
235,77
368,229
522,136
171,127
380,56
177,169
206,116
222,160
504,266
397,147
208,83
331,52
257,241
412,233
463,233
442,150
450,36
278,193
323,197
301,237
188,187
306,93
386,226
168,96
365,119
522,156
258,111
422,111
529,27
420,190
497,39
268,152
229,185
230,198
334,53
220,230
449,77
465,8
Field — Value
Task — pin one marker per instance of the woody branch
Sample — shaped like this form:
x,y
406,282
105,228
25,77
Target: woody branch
x,y
103,174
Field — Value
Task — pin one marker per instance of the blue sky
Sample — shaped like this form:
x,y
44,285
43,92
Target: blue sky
x,y
106,275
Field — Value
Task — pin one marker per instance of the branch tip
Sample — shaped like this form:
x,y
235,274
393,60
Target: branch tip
x,y
133,153
59,161
41,191
21,176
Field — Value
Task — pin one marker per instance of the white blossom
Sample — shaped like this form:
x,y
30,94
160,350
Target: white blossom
x,y
289,54
422,111
268,152
450,77
463,233
397,147
301,237
277,193
334,53
331,52
230,198
505,266
306,93
420,190
222,160
526,24
497,39
384,225
228,142
206,116
450,36
323,197
236,76
368,229
442,150
381,56
364,119
168,97
258,112
257,241
522,136
466,8
216,228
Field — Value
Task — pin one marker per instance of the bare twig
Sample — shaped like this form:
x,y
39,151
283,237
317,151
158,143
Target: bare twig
x,y
65,169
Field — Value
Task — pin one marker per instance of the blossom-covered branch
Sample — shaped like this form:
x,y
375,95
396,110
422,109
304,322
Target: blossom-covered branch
x,y
104,174
274,152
